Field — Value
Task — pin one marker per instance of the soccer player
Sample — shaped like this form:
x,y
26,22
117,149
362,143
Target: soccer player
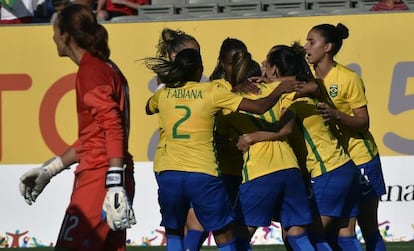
x,y
104,181
173,41
334,177
169,44
272,185
350,115
187,111
230,159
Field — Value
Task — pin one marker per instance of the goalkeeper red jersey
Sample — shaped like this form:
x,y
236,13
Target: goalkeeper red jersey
x,y
102,100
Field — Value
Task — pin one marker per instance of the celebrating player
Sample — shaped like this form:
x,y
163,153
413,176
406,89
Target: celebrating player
x,y
273,186
169,44
230,159
350,115
187,111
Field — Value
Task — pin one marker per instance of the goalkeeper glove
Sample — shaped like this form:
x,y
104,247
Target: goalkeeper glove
x,y
35,180
116,206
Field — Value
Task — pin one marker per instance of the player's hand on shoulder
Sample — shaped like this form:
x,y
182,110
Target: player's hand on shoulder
x,y
259,79
290,85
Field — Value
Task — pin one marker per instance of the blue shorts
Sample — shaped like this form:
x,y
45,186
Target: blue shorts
x,y
205,193
232,184
372,185
336,193
282,192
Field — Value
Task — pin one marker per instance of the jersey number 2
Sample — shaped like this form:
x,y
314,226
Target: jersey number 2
x,y
186,116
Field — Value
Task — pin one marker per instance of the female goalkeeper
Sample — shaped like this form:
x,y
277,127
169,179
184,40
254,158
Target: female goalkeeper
x,y
104,182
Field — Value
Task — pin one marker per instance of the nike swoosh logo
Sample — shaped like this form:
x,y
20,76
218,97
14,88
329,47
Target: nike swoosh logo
x,y
116,201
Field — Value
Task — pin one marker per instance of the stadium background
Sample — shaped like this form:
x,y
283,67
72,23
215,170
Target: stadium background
x,y
38,118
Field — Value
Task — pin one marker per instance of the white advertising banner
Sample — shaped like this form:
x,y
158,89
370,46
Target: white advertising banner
x,y
38,225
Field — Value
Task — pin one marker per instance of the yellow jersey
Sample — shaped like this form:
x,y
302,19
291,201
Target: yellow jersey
x,y
312,139
188,115
263,157
347,91
229,158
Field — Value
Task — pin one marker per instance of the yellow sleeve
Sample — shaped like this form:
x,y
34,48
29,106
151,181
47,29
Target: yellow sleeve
x,y
356,91
286,100
154,101
225,99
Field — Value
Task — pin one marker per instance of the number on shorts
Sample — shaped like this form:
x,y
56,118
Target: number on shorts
x,y
69,223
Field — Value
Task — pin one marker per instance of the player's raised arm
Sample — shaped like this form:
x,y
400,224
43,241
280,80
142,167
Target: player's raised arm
x,y
260,106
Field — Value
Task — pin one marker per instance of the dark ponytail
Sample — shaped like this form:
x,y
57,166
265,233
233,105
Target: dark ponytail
x,y
228,45
187,66
291,61
80,23
171,41
244,67
333,34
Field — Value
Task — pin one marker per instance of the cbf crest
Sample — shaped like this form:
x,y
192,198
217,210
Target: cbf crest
x,y
333,90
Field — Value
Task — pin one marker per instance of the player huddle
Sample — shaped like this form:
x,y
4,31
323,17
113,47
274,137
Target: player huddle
x,y
286,141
